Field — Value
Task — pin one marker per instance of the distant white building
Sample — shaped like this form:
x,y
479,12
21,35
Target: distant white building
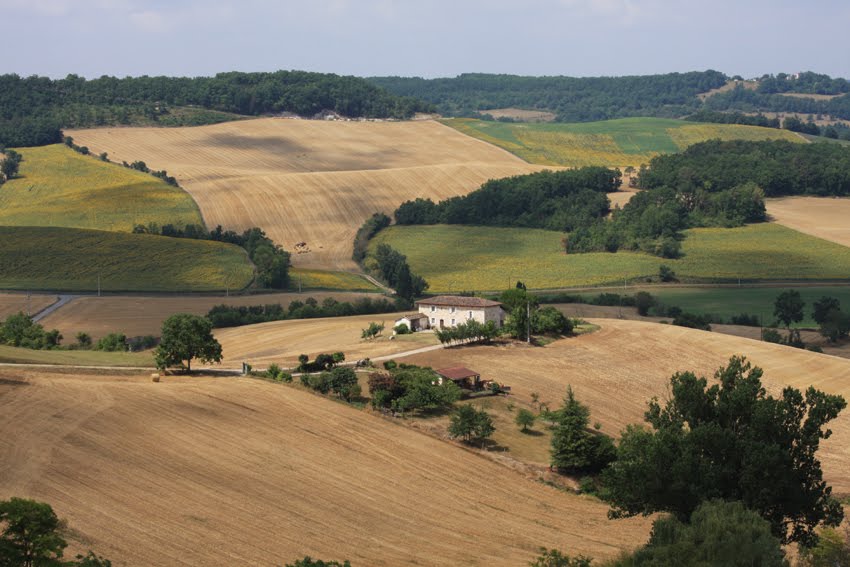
x,y
451,310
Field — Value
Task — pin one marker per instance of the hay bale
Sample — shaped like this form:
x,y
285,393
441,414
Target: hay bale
x,y
155,377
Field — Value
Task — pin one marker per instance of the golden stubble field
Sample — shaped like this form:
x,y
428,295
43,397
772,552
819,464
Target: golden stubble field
x,y
282,341
11,303
310,181
143,315
237,471
824,217
617,369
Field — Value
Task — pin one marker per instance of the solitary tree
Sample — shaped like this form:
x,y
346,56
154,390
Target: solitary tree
x,y
10,164
30,534
525,419
185,337
574,447
788,307
471,424
730,441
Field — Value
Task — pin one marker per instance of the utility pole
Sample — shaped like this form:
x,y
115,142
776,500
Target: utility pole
x,y
300,280
98,284
528,320
29,304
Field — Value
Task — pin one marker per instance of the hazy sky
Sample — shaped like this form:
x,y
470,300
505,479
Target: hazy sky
x,y
429,38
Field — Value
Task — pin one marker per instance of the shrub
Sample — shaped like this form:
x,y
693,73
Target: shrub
x,y
666,273
402,329
693,321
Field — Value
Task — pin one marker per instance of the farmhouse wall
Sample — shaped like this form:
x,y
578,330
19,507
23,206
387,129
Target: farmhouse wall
x,y
453,316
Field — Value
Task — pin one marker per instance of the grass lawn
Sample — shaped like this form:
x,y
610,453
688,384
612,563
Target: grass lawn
x,y
613,143
69,259
59,187
322,280
75,357
457,258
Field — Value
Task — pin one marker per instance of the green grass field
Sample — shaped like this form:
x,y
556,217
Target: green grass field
x,y
15,355
59,187
725,302
69,259
322,280
457,258
612,143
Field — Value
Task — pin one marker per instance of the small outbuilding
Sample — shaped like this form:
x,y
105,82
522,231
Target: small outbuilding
x,y
462,376
414,321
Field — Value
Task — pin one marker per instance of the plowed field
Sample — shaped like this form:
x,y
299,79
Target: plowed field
x,y
306,181
213,471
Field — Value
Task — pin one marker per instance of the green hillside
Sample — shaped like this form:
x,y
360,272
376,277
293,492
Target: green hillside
x,y
59,187
57,259
456,258
611,143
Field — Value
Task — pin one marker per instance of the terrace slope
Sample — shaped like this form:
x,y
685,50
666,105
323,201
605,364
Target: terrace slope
x,y
310,181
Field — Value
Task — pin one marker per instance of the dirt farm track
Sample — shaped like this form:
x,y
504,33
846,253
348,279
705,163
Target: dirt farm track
x,y
308,180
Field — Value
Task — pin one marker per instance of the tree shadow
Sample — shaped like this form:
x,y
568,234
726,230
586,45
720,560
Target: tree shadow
x,y
532,432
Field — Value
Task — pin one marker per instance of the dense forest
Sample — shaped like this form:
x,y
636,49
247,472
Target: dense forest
x,y
572,99
747,100
33,110
778,168
562,200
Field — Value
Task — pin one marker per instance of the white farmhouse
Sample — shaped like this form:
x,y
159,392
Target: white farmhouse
x,y
450,310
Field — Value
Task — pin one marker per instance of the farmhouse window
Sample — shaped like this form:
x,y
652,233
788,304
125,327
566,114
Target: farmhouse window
x,y
470,314
452,310
453,321
433,308
433,320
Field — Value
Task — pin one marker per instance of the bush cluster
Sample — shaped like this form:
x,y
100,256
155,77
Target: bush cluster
x,y
310,308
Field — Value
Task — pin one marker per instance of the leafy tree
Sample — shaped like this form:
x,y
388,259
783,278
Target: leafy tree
x,y
113,342
666,273
554,558
309,562
343,382
185,337
525,419
550,321
373,330
83,340
471,424
19,330
30,534
822,307
835,325
731,441
574,447
788,307
721,534
9,165
644,302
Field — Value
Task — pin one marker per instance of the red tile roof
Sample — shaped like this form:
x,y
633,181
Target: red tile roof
x,y
458,301
412,316
457,373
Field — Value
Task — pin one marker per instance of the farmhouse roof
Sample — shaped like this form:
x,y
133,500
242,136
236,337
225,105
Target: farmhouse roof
x,y
458,301
412,316
457,373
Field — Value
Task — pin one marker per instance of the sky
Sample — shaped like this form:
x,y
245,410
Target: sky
x,y
425,38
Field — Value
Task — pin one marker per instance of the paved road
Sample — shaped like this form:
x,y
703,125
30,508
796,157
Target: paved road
x,y
63,300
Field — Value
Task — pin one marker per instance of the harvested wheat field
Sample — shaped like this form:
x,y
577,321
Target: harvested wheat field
x,y
11,303
282,341
617,369
307,181
213,471
140,315
824,217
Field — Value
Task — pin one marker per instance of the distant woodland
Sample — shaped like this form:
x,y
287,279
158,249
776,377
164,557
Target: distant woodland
x,y
33,110
671,95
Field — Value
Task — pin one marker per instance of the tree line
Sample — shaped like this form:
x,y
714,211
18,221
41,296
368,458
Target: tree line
x,y
779,168
391,266
572,99
794,124
310,308
33,110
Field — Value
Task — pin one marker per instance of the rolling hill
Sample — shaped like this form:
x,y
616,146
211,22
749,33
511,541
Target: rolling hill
x,y
59,187
444,255
611,143
72,259
310,181
212,471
